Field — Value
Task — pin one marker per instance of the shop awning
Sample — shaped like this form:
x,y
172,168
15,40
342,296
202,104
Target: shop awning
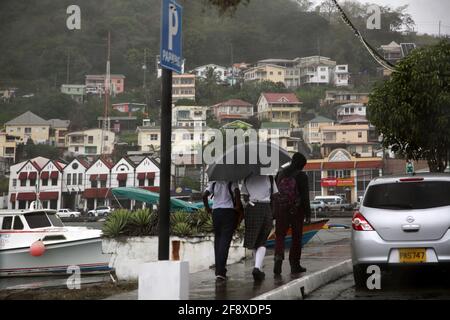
x,y
23,176
141,176
312,166
45,175
103,177
32,175
369,164
26,196
54,175
48,195
122,176
93,177
150,175
99,193
339,165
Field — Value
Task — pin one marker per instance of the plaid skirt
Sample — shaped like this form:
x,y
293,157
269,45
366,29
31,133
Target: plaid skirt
x,y
258,225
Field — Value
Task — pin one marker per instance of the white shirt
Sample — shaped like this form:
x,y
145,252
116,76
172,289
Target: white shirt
x,y
222,198
258,188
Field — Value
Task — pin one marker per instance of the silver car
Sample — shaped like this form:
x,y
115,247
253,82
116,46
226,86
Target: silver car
x,y
403,221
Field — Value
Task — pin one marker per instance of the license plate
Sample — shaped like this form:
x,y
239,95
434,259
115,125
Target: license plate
x,y
416,255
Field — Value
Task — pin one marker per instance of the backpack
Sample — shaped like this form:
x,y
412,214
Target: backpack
x,y
288,191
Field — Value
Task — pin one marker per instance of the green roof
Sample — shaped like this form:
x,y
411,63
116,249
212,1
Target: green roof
x,y
321,119
277,125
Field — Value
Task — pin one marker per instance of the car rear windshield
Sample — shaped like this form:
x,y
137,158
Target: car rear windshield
x,y
408,195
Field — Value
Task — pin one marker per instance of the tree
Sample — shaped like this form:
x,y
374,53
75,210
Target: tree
x,y
412,109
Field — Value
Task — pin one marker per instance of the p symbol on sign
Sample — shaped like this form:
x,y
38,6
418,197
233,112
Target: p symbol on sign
x,y
173,24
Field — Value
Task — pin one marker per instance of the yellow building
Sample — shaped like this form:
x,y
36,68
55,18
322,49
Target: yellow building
x,y
29,126
8,146
311,130
279,107
354,137
267,72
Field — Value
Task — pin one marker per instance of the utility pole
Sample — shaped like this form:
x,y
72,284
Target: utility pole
x,y
144,67
440,22
107,91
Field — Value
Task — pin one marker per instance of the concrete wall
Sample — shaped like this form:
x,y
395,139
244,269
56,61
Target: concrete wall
x,y
129,253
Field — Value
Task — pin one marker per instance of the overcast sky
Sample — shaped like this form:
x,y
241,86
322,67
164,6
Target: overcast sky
x,y
426,13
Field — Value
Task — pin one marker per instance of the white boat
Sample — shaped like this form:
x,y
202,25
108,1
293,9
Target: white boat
x,y
75,247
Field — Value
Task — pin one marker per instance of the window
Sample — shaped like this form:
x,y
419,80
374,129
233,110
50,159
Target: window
x,y
80,179
90,139
74,179
32,182
186,136
106,138
94,184
365,149
344,132
76,149
122,183
37,220
54,219
23,183
141,182
55,182
359,134
45,182
18,224
154,137
7,223
28,130
323,77
408,196
103,184
14,183
69,179
151,182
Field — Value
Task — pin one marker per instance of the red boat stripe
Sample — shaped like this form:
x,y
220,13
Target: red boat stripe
x,y
80,265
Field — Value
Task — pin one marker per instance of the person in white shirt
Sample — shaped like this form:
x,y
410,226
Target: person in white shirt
x,y
226,199
258,191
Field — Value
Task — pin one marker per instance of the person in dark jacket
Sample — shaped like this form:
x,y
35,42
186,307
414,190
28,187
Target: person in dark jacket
x,y
293,216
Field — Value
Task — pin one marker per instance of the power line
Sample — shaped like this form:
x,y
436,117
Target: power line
x,y
375,55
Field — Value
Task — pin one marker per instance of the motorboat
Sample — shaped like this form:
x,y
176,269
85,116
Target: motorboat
x,y
36,242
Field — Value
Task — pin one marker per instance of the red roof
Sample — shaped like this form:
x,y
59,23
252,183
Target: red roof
x,y
234,102
339,165
83,162
377,164
58,165
281,98
312,166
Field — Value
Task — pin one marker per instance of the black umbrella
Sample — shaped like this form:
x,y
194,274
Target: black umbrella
x,y
243,160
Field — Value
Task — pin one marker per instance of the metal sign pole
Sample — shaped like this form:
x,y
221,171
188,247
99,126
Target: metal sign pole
x,y
166,141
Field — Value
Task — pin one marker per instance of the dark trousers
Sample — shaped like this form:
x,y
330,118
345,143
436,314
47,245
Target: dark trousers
x,y
283,221
224,223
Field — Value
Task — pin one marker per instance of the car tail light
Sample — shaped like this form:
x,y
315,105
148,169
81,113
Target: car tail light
x,y
360,223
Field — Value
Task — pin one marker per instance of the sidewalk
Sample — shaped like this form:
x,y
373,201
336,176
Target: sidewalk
x,y
326,249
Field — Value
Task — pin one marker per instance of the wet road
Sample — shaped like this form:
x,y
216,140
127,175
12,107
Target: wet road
x,y
397,286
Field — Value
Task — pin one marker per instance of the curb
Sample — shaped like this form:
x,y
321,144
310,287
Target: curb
x,y
299,288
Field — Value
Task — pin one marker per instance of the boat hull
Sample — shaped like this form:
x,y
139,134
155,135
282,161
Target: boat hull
x,y
309,231
86,254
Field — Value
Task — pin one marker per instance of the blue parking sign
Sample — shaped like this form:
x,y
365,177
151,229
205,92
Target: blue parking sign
x,y
171,32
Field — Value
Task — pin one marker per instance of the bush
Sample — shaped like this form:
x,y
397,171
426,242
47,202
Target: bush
x,y
116,224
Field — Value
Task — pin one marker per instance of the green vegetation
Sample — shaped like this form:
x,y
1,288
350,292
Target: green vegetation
x,y
412,109
145,223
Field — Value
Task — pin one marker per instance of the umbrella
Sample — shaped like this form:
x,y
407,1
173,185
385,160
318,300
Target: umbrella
x,y
151,198
247,159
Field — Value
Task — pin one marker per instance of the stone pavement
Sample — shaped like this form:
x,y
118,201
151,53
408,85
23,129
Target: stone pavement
x,y
327,248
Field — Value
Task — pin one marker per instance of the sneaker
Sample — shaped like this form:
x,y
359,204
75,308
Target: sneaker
x,y
277,267
220,277
297,268
258,275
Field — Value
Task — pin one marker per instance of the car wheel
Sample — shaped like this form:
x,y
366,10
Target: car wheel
x,y
360,277
342,209
90,214
319,209
72,216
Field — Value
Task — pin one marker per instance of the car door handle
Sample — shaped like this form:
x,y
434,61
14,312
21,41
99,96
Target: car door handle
x,y
410,227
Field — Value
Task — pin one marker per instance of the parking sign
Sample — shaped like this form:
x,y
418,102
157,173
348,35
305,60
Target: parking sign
x,y
171,32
